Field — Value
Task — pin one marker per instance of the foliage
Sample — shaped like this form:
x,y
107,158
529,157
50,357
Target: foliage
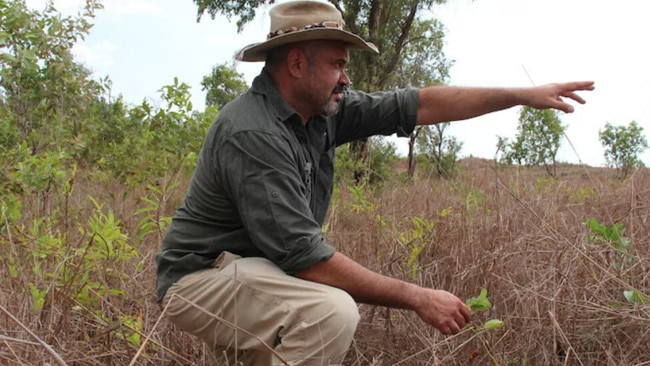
x,y
612,236
415,240
623,144
359,202
55,120
440,151
43,92
482,304
635,297
50,107
154,222
537,141
411,50
383,155
156,142
244,9
222,85
411,46
479,303
68,258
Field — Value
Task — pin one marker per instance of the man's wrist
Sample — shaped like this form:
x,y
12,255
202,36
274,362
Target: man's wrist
x,y
414,297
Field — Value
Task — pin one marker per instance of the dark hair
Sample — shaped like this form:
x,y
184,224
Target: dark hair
x,y
277,56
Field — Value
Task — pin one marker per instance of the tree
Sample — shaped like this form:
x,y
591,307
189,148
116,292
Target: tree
x,y
622,147
537,141
440,150
44,92
410,45
222,85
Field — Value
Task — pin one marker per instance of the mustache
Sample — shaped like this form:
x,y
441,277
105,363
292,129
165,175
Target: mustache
x,y
340,88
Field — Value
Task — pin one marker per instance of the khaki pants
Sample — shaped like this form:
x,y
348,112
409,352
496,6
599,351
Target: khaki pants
x,y
245,307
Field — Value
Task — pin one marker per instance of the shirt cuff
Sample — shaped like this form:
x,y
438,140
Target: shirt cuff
x,y
308,257
411,100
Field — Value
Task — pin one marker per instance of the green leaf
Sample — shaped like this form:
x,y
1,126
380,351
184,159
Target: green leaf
x,y
480,303
635,297
493,324
616,304
8,58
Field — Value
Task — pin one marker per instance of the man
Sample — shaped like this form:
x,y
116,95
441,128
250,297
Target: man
x,y
244,265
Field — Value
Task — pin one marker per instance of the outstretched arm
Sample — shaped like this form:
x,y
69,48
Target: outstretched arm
x,y
448,103
438,308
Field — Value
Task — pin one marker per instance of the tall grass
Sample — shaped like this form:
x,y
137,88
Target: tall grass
x,y
78,279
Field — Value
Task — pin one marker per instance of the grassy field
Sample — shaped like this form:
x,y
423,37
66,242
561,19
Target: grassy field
x,y
566,264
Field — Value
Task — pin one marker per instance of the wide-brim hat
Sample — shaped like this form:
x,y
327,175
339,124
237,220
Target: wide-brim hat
x,y
297,21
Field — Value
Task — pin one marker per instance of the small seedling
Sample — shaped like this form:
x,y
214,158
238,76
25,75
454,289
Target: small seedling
x,y
635,297
482,304
479,303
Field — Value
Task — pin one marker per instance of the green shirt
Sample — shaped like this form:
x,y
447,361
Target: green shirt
x,y
263,180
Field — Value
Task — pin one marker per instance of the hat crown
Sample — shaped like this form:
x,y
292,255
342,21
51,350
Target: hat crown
x,y
303,20
296,15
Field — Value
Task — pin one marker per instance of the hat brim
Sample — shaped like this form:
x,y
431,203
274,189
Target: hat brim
x,y
257,51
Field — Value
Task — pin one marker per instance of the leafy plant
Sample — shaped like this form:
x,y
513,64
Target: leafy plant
x,y
153,222
132,327
360,203
635,297
416,239
612,236
481,303
106,228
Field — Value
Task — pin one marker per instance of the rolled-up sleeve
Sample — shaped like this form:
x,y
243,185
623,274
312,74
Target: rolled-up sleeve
x,y
264,178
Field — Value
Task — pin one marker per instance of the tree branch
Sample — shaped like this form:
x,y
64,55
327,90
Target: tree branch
x,y
399,45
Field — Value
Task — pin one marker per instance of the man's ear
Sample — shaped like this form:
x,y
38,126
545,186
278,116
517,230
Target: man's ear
x,y
296,62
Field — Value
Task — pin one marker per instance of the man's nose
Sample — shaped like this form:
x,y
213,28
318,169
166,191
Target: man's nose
x,y
345,80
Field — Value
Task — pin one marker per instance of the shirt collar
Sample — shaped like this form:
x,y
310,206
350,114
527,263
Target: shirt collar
x,y
264,84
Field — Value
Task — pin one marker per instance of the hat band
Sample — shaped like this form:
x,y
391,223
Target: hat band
x,y
326,24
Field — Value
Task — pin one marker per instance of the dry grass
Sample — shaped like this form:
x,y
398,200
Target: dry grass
x,y
517,233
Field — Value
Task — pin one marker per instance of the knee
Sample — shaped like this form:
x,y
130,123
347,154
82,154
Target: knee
x,y
343,312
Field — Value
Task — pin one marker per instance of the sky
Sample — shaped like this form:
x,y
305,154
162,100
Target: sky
x,y
141,45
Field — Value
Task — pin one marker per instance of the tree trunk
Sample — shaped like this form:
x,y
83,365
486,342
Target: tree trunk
x,y
360,152
411,159
411,169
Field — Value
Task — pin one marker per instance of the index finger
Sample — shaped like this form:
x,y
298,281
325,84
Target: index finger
x,y
578,85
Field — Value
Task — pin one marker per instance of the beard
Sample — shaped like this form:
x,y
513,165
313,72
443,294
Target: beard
x,y
331,107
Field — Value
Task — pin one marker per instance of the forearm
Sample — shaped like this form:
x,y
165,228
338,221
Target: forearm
x,y
445,103
438,308
363,284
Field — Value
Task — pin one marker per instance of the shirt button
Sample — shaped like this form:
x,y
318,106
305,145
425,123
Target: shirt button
x,y
275,194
